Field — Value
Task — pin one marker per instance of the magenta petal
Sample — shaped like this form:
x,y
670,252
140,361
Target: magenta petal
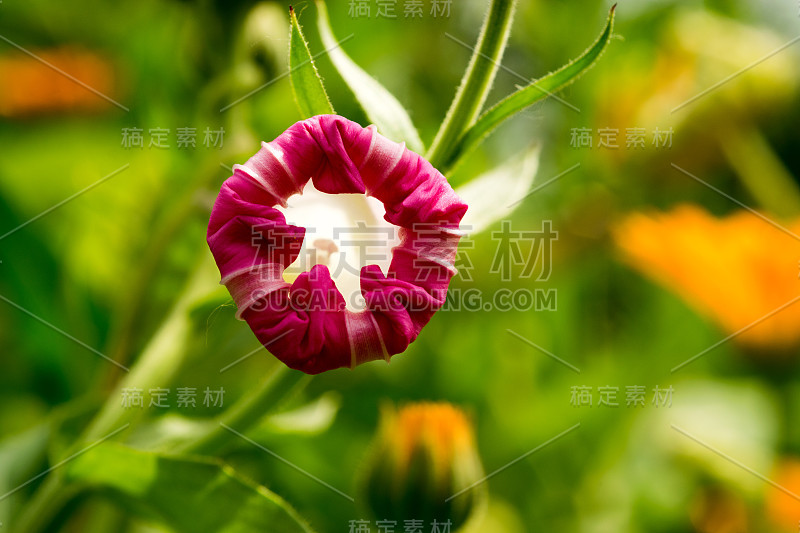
x,y
306,324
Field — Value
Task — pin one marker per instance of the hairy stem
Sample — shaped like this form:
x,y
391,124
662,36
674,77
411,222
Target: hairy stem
x,y
477,80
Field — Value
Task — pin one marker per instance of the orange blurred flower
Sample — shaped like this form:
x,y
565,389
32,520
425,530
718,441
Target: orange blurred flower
x,y
783,509
33,87
736,269
440,427
716,510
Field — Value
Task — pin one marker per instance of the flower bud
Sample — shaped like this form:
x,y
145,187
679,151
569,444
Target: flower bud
x,y
261,40
424,457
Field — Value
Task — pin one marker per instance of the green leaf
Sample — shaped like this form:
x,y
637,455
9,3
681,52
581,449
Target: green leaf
x,y
536,91
495,194
176,433
167,433
188,494
309,419
309,93
381,107
477,80
20,457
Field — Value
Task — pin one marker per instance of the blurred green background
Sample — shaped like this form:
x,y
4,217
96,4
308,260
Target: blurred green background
x,y
107,266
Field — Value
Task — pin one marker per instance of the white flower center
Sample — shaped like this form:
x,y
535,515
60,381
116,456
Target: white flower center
x,y
343,232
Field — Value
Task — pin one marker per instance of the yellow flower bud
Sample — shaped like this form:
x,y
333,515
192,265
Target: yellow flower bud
x,y
424,456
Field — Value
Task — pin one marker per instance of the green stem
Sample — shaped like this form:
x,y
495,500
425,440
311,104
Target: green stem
x,y
51,496
133,306
536,91
760,170
55,493
477,80
160,361
247,411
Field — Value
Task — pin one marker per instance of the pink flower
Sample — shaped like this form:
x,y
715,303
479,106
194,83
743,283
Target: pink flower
x,y
306,324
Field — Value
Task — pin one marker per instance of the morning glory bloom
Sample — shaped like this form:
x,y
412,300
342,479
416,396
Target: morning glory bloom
x,y
308,324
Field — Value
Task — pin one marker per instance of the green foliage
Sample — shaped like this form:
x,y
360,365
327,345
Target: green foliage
x,y
124,268
535,92
476,83
20,455
495,194
463,127
191,495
